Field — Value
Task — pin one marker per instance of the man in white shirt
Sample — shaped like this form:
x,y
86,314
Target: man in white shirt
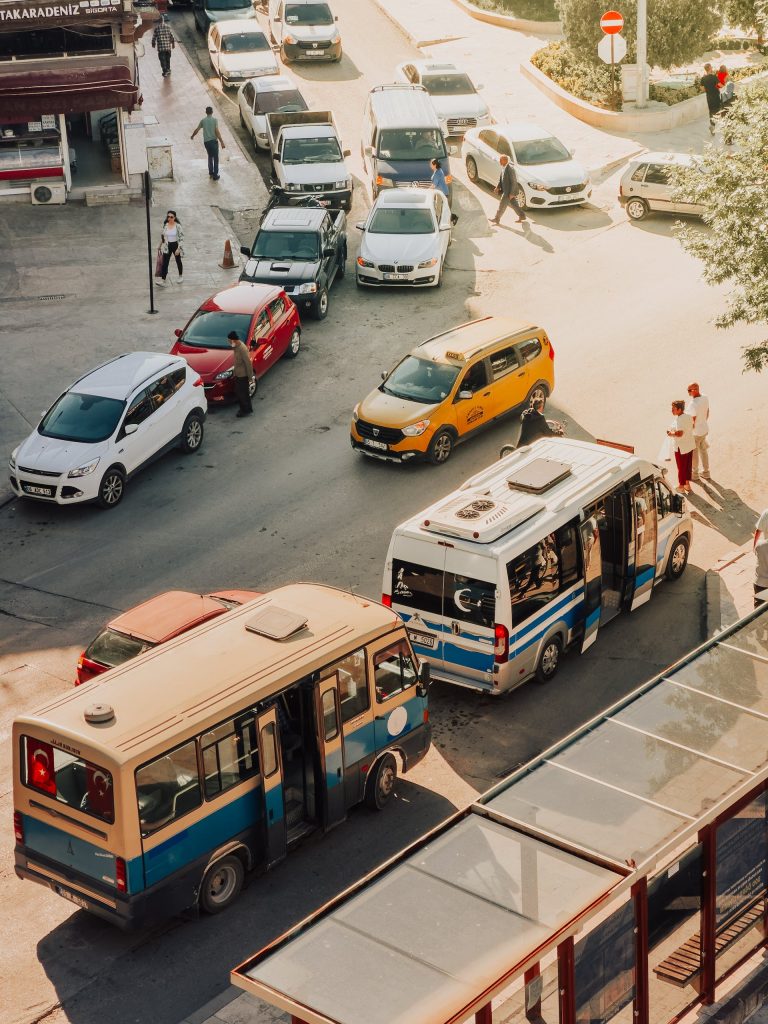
x,y
697,406
760,547
681,432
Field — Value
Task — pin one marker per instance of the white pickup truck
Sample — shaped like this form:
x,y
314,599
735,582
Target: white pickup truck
x,y
307,158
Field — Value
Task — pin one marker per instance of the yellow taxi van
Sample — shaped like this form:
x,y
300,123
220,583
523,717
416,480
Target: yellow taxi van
x,y
450,387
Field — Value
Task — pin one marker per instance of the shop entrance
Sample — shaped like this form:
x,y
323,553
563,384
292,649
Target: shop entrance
x,y
94,148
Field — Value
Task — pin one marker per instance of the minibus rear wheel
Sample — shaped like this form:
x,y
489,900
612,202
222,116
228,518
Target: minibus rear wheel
x,y
222,884
381,783
549,659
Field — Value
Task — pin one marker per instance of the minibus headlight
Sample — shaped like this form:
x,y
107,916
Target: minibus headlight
x,y
416,429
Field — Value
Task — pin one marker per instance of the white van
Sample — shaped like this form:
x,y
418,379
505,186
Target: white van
x,y
532,556
305,30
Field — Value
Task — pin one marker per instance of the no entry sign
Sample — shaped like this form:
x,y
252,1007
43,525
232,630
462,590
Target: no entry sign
x,y
611,22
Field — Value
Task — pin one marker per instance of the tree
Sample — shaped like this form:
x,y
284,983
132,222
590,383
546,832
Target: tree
x,y
732,188
748,14
678,30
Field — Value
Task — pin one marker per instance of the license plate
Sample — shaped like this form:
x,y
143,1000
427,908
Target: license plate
x,y
374,444
77,900
423,639
314,53
45,492
395,277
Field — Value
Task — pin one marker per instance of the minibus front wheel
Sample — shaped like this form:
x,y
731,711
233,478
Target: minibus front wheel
x,y
221,884
381,783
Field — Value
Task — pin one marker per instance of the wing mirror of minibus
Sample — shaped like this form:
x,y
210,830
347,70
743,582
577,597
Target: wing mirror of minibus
x,y
678,504
245,251
464,395
425,678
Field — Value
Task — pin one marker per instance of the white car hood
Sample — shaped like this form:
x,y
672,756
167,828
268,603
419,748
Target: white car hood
x,y
315,174
258,60
55,456
399,248
470,105
566,172
310,33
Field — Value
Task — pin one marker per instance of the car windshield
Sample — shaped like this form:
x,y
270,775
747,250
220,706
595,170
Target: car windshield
x,y
421,380
541,151
85,418
308,14
401,221
112,648
410,144
210,329
227,5
244,42
447,85
285,245
280,102
312,151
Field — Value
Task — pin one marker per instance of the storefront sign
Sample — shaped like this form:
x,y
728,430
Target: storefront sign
x,y
33,12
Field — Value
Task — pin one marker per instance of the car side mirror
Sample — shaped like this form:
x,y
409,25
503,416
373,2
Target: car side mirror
x,y
464,395
211,49
346,152
678,504
452,151
329,251
178,332
425,678
360,226
368,150
479,85
130,428
383,377
245,251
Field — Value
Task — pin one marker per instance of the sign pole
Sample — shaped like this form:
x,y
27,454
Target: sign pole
x,y
613,76
642,53
147,202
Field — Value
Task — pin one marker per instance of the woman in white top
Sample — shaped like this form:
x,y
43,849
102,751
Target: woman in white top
x,y
682,444
171,239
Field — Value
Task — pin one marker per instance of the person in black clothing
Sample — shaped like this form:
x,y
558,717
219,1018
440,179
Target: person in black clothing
x,y
711,87
507,189
534,424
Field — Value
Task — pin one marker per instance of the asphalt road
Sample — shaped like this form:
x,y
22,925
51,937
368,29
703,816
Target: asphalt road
x,y
283,498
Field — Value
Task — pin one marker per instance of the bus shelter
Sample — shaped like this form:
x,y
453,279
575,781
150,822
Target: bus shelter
x,y
622,875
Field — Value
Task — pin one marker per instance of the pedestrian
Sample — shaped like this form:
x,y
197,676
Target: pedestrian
x,y
681,432
697,407
211,139
507,189
711,87
440,182
722,76
171,244
243,373
163,41
534,424
760,547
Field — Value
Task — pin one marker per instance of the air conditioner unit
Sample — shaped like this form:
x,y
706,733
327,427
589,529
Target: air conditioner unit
x,y
44,194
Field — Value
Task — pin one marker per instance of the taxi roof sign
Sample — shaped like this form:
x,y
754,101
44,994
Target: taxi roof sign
x,y
458,356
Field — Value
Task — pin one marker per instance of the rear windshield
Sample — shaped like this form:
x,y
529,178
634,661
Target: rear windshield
x,y
540,151
308,14
282,101
403,221
210,330
85,418
421,380
67,778
285,245
435,592
244,42
111,648
447,85
411,144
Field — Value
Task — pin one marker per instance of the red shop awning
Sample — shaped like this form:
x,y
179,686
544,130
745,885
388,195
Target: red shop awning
x,y
31,91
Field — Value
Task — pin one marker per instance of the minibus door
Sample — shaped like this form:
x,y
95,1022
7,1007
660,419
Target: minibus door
x,y
272,787
417,595
469,616
331,747
593,579
643,541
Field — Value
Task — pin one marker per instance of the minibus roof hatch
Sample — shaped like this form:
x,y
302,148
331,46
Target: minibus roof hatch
x,y
276,623
538,476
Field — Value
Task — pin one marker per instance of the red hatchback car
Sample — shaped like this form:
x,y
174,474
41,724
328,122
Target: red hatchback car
x,y
152,623
264,317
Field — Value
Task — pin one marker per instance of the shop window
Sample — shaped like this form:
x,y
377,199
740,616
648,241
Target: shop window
x,y
56,42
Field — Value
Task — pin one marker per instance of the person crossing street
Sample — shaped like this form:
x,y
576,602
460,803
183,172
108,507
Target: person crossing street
x,y
508,188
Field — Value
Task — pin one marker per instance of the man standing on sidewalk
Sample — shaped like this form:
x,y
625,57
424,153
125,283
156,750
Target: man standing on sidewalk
x,y
243,373
507,189
211,139
162,39
698,407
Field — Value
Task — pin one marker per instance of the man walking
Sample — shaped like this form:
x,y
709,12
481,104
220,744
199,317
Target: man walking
x,y
711,87
507,189
697,406
760,547
243,373
163,41
211,139
681,432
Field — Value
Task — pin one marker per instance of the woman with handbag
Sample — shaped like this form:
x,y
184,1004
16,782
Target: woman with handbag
x,y
171,239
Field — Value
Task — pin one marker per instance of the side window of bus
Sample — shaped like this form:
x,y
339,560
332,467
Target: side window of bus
x,y
230,754
544,571
353,684
393,671
168,787
569,550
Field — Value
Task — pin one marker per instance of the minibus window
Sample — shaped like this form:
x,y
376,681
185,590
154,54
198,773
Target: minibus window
x,y
393,670
353,684
168,787
663,499
569,550
330,721
268,749
417,586
68,779
229,754
470,600
534,579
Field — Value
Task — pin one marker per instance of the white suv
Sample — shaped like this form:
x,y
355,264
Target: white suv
x,y
107,426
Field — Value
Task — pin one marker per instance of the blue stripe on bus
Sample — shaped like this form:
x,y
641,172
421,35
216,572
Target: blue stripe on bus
x,y
645,576
441,627
549,609
477,660
571,618
69,850
592,617
360,743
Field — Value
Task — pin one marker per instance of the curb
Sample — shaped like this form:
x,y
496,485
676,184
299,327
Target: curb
x,y
412,39
542,28
605,169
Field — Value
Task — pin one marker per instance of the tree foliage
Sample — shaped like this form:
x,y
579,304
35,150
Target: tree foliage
x,y
678,30
732,188
747,14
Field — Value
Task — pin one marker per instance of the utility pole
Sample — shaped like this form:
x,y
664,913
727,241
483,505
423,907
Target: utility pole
x,y
641,98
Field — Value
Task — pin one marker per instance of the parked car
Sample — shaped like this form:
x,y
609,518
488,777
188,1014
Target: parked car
x,y
405,238
152,623
206,12
450,387
304,250
264,317
308,159
107,426
304,30
239,50
272,94
454,96
547,173
645,186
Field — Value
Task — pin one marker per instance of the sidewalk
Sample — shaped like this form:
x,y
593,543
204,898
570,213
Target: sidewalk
x,y
729,588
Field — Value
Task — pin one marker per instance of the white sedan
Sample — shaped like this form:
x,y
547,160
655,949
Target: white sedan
x,y
452,92
273,94
405,238
546,170
238,51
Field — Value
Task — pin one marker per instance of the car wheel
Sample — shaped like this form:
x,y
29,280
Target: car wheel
x,y
111,488
192,433
538,393
505,450
441,447
342,269
221,885
320,309
637,209
294,345
472,174
549,659
381,783
520,197
678,559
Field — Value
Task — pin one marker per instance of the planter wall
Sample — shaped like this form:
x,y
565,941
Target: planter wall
x,y
537,28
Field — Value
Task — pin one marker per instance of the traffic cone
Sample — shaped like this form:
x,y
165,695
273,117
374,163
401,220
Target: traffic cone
x,y
229,260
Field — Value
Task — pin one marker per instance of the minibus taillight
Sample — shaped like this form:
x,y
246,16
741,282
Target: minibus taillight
x,y
386,600
500,644
18,827
120,875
